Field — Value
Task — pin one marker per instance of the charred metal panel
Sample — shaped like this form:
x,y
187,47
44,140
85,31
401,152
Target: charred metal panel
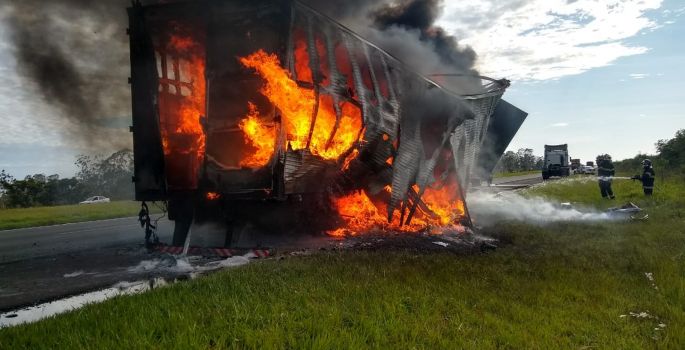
x,y
148,157
504,123
305,173
468,137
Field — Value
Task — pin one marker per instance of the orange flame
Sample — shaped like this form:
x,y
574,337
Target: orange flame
x,y
213,196
349,159
296,105
443,203
183,107
260,136
193,105
361,214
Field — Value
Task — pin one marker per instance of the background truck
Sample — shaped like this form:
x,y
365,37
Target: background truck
x,y
556,161
575,164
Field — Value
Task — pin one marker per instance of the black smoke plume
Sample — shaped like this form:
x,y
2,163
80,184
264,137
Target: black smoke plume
x,y
74,54
421,15
407,30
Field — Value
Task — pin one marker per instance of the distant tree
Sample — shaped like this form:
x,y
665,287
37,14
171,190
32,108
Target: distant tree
x,y
509,161
39,178
109,176
632,166
539,163
672,151
4,197
526,158
23,193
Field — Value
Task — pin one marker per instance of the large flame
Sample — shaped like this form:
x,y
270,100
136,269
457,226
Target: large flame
x,y
258,134
193,103
445,203
183,107
361,214
296,104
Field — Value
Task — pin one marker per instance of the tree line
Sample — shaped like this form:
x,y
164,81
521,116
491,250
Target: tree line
x,y
669,158
521,160
97,175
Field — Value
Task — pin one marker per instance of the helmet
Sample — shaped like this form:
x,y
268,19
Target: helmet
x,y
647,162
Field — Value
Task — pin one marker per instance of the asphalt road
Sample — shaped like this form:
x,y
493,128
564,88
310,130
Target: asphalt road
x,y
35,242
37,264
529,179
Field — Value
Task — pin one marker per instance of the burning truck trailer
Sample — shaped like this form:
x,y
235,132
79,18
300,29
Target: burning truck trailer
x,y
271,113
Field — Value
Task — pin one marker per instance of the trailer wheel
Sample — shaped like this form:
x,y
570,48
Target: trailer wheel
x,y
234,229
182,212
181,229
545,175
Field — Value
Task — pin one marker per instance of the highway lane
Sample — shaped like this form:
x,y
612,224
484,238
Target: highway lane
x,y
529,179
34,242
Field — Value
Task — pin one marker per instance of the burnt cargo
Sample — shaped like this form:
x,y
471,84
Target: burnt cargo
x,y
271,104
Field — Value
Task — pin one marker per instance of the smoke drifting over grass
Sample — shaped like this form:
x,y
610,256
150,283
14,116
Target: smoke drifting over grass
x,y
491,208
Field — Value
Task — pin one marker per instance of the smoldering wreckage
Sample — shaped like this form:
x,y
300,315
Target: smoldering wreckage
x,y
273,114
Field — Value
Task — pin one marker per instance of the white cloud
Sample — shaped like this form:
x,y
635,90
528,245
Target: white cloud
x,y
559,125
639,75
548,39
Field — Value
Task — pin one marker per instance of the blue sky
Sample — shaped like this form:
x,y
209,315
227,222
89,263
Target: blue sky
x,y
602,76
620,109
615,88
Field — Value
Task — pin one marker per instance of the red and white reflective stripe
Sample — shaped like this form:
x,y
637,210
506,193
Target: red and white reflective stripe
x,y
169,249
223,252
260,253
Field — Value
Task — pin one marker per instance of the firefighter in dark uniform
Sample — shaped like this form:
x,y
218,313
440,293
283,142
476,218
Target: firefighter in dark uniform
x,y
647,177
605,173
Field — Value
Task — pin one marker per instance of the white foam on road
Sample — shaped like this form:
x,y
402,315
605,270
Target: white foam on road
x,y
35,313
168,263
74,274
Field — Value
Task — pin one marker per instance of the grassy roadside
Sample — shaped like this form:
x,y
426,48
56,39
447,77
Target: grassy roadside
x,y
557,286
518,173
62,214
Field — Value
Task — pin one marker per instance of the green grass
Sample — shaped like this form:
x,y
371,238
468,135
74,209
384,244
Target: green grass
x,y
584,189
557,286
517,173
62,214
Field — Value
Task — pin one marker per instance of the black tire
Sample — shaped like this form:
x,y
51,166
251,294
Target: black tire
x,y
181,229
182,211
233,230
545,175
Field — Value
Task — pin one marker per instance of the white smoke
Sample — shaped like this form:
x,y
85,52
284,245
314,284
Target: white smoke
x,y
490,208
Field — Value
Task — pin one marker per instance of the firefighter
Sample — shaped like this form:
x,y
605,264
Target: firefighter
x,y
605,173
647,177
